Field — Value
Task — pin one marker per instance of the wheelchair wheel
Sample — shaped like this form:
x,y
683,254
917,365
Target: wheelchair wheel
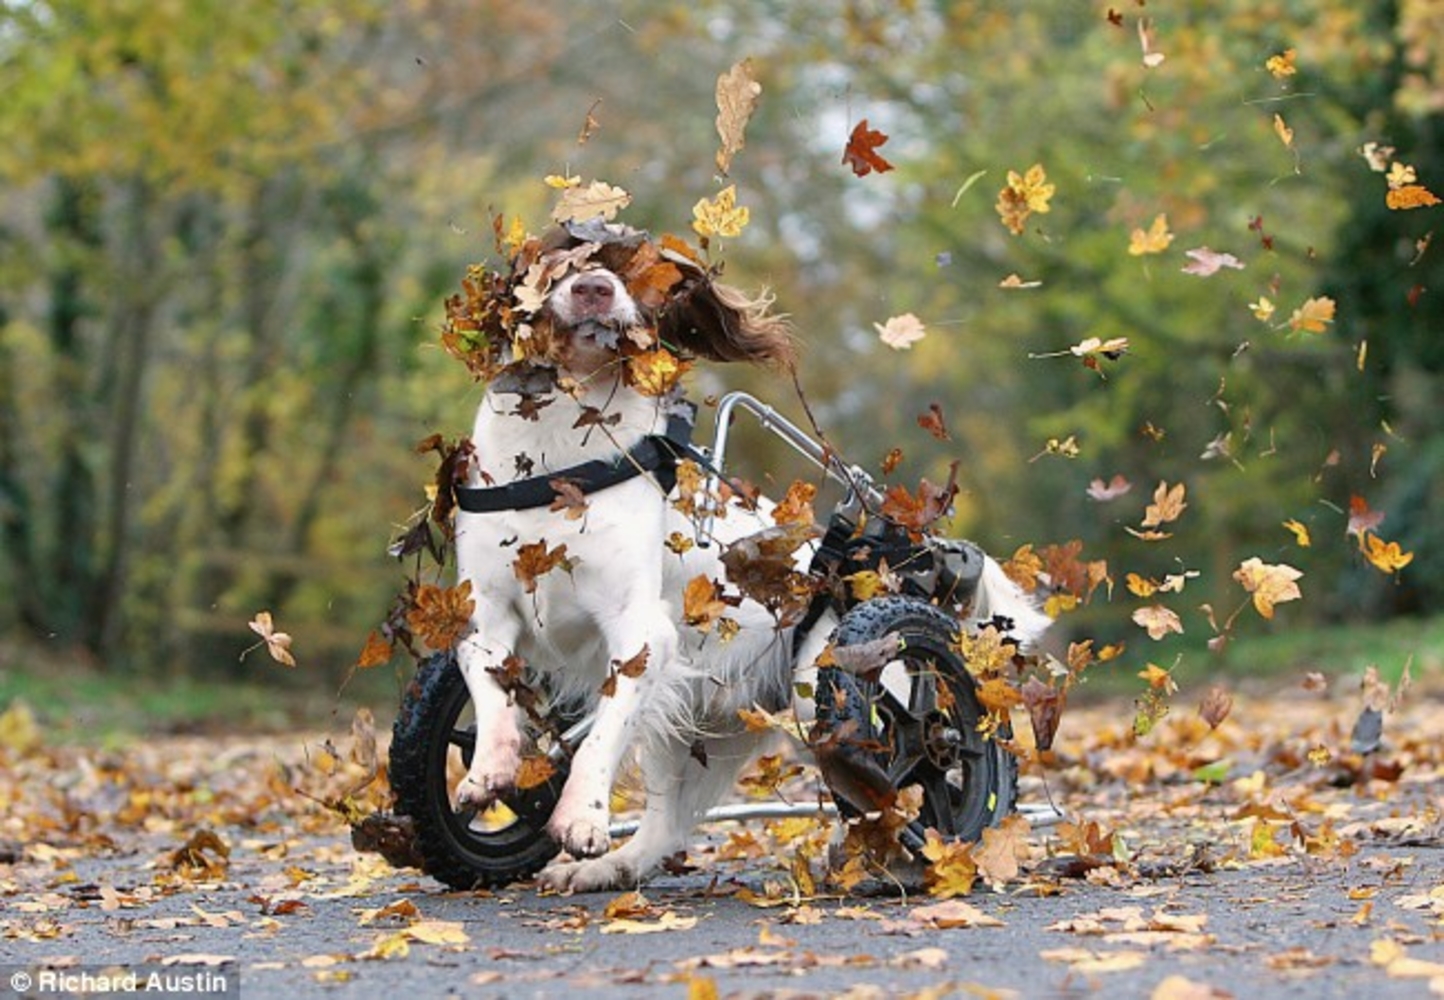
x,y
916,723
432,743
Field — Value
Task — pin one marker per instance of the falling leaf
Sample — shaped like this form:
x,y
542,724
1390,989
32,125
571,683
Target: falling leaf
x,y
737,95
1377,155
1168,504
534,772
721,216
278,644
1387,557
1282,130
1044,703
1269,584
1155,240
1158,621
935,423
1216,705
1313,316
598,200
1112,490
1013,281
1152,58
1282,65
1022,196
376,652
1206,262
1410,196
796,506
861,151
1362,519
1300,531
901,332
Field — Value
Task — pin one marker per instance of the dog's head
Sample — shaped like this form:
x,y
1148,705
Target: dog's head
x,y
603,300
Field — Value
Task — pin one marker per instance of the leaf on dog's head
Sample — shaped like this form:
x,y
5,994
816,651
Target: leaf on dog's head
x,y
598,200
737,95
861,153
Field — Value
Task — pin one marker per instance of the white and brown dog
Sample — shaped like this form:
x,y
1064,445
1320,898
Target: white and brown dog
x,y
623,591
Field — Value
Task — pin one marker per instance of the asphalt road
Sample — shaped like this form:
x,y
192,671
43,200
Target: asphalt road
x,y
329,926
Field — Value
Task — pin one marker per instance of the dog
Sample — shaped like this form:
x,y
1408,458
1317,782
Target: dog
x,y
616,595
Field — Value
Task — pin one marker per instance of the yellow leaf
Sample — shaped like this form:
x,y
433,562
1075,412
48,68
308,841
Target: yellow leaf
x,y
558,182
1301,533
1282,65
1385,556
721,216
1168,504
1269,584
19,730
1023,196
668,921
437,932
1313,315
1158,679
654,373
1155,240
1263,309
1282,130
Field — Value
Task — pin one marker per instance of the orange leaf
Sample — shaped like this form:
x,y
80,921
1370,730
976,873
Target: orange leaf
x,y
376,652
1313,316
533,560
1269,584
1386,556
796,506
1410,196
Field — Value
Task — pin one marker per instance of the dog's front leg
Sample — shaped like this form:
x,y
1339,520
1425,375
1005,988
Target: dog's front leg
x,y
583,813
497,758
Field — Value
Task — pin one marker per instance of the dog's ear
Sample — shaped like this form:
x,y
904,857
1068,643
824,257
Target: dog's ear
x,y
711,320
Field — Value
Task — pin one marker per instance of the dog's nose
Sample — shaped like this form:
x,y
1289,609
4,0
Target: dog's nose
x,y
593,292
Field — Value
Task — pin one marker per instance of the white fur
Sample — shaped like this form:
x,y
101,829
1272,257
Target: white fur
x,y
623,593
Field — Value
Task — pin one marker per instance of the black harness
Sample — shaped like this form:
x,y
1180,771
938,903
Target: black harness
x,y
657,454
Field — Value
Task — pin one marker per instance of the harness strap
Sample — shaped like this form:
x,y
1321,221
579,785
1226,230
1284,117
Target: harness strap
x,y
657,454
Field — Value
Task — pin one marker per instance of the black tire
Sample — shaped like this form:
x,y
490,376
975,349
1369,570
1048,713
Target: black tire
x,y
431,746
871,744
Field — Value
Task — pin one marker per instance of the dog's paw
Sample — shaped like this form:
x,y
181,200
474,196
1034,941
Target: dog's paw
x,y
482,790
585,837
595,875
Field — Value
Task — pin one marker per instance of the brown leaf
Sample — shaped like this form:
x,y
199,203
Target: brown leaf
x,y
534,771
737,95
441,615
376,652
534,560
934,423
1044,703
1216,705
861,152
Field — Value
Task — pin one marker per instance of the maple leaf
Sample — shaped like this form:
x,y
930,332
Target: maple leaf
x,y
861,152
737,95
702,603
721,216
1385,556
1158,679
771,774
1001,848
1023,568
1168,504
441,615
278,644
534,772
1022,196
950,871
900,332
569,498
1313,316
1206,262
796,506
598,200
534,560
1158,621
654,373
1155,240
1269,584
1111,490
987,652
1282,65
917,512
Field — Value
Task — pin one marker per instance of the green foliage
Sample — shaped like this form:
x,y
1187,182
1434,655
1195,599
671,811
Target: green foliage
x,y
225,312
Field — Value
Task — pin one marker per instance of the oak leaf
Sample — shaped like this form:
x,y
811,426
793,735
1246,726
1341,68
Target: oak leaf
x,y
597,200
1168,504
737,95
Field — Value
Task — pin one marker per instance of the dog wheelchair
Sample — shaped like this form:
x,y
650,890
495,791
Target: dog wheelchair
x,y
912,717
